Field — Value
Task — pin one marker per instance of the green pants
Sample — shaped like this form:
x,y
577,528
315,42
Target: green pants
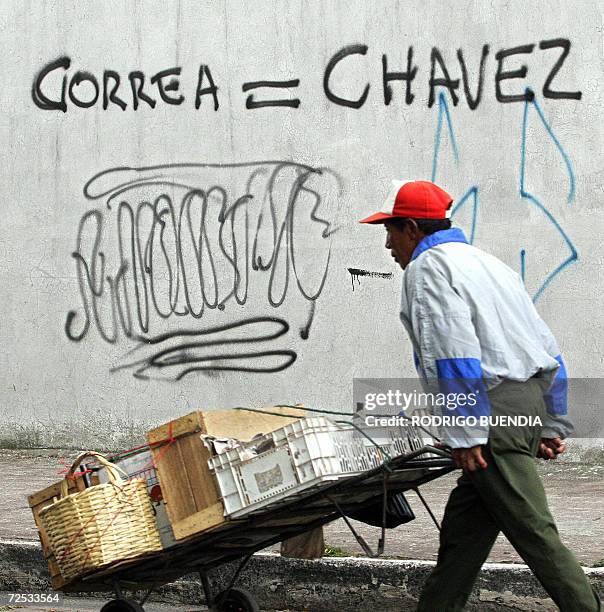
x,y
507,496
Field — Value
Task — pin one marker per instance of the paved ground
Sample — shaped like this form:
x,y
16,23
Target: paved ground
x,y
575,492
88,605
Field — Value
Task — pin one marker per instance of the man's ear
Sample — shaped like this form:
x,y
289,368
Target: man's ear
x,y
414,232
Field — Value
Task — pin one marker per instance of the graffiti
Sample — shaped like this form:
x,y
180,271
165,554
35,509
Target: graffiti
x,y
250,102
174,355
84,89
164,245
532,199
185,245
355,275
471,195
560,258
54,88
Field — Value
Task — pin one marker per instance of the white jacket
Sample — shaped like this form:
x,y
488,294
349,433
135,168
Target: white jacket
x,y
473,325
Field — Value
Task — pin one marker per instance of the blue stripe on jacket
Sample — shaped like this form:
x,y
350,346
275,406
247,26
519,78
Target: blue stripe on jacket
x,y
556,398
462,376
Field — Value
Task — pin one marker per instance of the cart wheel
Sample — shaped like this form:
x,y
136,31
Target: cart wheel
x,y
122,605
236,600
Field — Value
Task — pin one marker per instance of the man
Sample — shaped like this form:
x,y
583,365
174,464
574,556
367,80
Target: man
x,y
476,333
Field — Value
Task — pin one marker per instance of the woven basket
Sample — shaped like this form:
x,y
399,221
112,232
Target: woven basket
x,y
105,523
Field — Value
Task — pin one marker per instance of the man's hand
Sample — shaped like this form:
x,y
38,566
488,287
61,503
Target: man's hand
x,y
469,459
550,448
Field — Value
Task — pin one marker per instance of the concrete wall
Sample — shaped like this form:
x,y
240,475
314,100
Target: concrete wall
x,y
215,207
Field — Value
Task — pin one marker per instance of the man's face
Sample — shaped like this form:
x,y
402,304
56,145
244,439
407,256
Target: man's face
x,y
401,242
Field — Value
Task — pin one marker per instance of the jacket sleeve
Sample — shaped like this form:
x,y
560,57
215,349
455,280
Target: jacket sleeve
x,y
450,354
557,422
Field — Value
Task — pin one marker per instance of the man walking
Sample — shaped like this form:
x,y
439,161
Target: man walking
x,y
475,332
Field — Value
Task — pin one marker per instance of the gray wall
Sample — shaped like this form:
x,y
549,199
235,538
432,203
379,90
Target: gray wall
x,y
80,188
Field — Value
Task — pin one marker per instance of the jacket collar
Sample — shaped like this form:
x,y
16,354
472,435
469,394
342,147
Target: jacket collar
x,y
451,235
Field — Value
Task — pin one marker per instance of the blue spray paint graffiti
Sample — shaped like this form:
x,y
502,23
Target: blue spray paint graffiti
x,y
524,193
471,195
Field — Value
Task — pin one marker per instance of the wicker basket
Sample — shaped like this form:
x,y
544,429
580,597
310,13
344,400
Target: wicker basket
x,y
105,523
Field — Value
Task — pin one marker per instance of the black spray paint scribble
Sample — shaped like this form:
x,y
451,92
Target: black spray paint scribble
x,y
67,89
232,347
356,273
172,242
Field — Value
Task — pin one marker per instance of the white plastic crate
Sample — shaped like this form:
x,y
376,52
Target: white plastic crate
x,y
306,453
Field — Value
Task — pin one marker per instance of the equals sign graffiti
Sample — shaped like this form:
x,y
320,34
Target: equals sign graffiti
x,y
355,275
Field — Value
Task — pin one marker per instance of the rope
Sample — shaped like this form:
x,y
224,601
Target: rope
x,y
298,407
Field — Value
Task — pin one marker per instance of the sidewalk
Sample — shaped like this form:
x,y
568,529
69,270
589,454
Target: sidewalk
x,y
322,585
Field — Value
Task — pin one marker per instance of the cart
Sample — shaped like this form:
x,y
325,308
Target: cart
x,y
240,539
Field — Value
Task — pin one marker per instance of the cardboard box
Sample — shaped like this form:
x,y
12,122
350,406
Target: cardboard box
x,y
181,458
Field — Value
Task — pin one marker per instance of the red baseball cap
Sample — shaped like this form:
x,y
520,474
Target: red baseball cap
x,y
414,200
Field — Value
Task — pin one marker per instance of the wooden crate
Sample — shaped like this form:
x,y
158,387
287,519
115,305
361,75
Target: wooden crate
x,y
37,502
188,487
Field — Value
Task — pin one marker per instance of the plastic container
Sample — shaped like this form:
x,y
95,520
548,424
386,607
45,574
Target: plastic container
x,y
302,455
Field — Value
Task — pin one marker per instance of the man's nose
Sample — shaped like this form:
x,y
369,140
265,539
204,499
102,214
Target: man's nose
x,y
387,245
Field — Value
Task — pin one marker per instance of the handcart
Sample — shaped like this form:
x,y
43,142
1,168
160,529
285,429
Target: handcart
x,y
240,539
